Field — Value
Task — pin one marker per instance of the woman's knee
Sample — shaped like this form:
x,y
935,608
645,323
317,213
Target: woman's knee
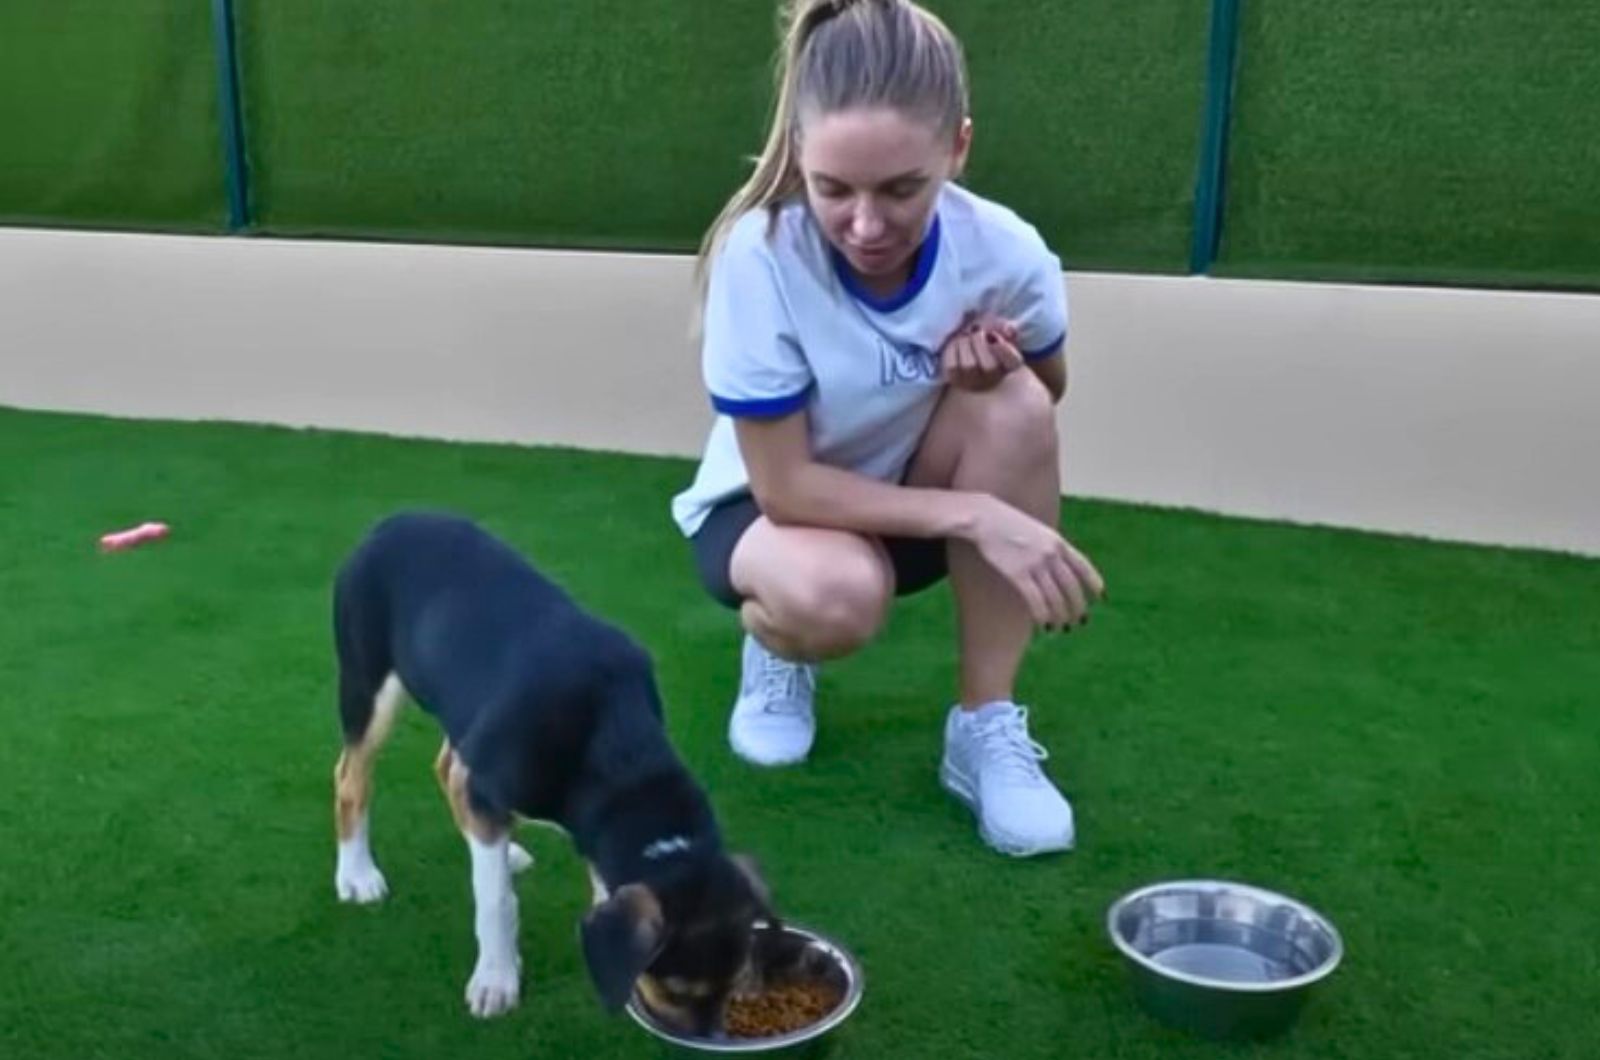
x,y
825,603
1019,414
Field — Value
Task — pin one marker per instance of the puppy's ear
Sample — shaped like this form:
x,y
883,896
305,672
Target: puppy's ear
x,y
621,936
751,871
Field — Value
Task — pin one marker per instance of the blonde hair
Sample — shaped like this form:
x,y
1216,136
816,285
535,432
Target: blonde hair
x,y
835,55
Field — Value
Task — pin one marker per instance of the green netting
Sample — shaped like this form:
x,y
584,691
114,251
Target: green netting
x,y
1088,117
108,115
1407,140
627,122
1417,140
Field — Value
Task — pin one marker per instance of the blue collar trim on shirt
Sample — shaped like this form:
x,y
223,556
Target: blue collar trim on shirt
x,y
927,254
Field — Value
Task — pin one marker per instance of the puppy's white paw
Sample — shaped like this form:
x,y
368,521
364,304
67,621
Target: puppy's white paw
x,y
520,859
360,883
493,989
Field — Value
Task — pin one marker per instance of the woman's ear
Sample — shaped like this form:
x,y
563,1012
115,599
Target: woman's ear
x,y
962,146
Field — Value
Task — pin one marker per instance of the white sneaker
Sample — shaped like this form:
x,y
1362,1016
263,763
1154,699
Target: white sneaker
x,y
992,765
773,723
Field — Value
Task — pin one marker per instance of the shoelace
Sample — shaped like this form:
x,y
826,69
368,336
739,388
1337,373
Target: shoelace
x,y
788,685
1008,748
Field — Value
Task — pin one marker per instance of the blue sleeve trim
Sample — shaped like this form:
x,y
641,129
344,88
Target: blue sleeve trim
x,y
1047,350
762,408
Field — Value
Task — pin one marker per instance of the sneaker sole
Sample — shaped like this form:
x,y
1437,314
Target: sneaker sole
x,y
952,780
743,752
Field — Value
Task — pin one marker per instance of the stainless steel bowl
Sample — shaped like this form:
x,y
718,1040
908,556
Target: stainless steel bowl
x,y
816,956
1220,959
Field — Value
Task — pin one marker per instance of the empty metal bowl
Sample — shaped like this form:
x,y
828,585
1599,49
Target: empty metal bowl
x,y
813,956
1220,959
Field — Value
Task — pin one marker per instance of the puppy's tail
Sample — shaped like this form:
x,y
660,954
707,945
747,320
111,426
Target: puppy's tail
x,y
360,637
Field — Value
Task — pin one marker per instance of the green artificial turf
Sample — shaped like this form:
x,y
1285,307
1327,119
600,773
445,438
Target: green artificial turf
x,y
1402,733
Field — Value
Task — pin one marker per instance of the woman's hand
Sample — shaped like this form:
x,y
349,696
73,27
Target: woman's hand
x,y
980,354
1056,581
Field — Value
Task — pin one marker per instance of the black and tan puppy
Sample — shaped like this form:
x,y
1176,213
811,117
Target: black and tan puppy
x,y
552,715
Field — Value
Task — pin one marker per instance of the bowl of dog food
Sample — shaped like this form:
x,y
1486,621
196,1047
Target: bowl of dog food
x,y
1223,960
806,985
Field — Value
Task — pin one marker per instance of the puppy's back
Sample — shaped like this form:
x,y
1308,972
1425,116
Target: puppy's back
x,y
460,614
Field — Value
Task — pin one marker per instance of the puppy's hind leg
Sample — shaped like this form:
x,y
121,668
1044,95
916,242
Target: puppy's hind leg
x,y
368,719
519,857
496,983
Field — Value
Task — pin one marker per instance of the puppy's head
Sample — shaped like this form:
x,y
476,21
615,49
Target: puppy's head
x,y
685,939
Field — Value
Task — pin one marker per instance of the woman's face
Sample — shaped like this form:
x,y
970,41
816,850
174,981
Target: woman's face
x,y
872,178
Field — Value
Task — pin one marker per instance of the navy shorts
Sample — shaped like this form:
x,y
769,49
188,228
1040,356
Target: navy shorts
x,y
918,561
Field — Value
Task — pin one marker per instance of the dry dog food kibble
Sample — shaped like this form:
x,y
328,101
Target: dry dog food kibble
x,y
780,1009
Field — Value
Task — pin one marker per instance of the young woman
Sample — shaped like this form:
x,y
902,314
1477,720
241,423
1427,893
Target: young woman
x,y
884,350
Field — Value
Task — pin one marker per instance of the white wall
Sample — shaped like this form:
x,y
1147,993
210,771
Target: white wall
x,y
1452,414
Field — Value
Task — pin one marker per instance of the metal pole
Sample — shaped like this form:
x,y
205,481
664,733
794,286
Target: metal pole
x,y
232,116
1211,182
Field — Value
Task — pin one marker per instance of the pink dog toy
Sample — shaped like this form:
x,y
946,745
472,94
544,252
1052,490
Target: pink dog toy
x,y
122,539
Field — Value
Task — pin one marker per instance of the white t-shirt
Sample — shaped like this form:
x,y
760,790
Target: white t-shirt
x,y
788,327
